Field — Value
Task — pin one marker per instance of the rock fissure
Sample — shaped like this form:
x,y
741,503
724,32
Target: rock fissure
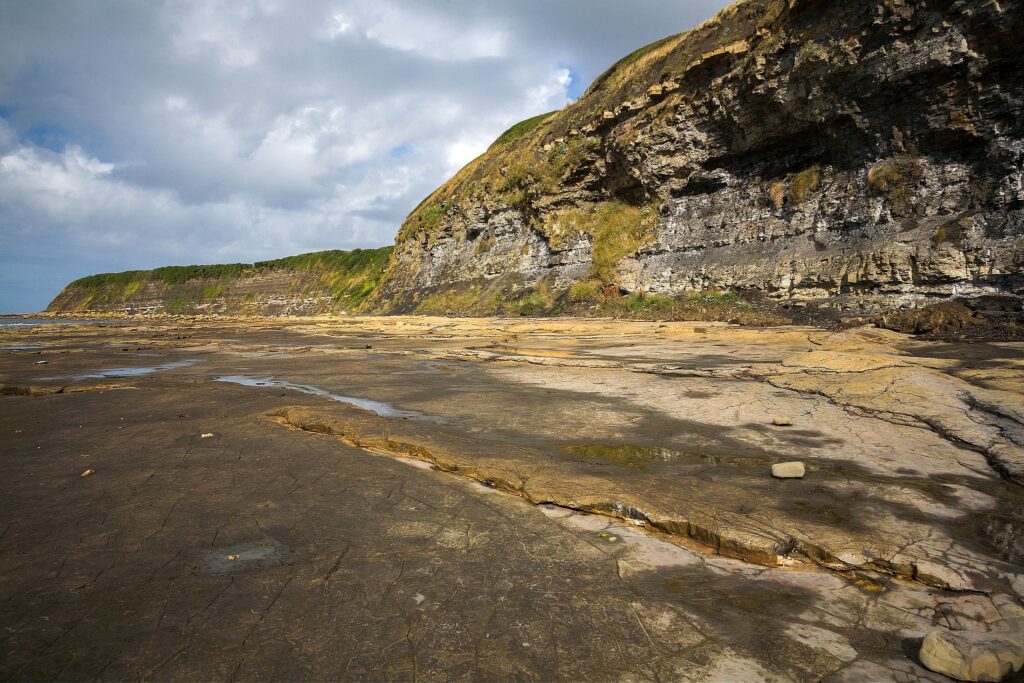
x,y
788,551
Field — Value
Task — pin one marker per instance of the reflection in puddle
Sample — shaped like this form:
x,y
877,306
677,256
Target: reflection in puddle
x,y
382,409
637,457
135,372
20,348
1003,531
641,457
242,557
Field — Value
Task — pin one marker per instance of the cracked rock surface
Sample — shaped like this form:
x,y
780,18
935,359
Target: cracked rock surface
x,y
334,525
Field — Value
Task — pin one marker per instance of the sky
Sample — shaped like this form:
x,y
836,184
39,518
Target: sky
x,y
135,134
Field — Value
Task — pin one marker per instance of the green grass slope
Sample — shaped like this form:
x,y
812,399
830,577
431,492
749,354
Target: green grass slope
x,y
317,282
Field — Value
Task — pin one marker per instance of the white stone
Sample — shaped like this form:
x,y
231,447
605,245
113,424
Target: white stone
x,y
788,470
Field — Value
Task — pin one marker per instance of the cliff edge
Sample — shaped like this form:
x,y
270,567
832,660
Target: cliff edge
x,y
788,160
850,156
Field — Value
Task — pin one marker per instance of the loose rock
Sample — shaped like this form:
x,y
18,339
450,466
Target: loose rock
x,y
973,656
788,470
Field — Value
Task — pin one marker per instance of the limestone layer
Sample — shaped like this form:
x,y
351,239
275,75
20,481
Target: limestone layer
x,y
863,155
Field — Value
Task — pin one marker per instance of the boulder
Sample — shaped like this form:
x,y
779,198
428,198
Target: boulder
x,y
788,470
973,656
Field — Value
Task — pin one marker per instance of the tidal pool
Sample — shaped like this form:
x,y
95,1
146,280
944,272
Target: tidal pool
x,y
134,372
242,557
379,407
642,457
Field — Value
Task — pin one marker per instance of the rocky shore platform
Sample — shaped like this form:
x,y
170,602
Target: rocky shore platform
x,y
416,498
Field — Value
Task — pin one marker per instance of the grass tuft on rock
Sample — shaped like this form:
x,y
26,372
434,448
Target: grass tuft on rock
x,y
895,178
805,183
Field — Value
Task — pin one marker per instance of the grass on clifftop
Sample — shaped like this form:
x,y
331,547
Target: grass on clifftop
x,y
521,129
335,260
169,275
543,156
348,277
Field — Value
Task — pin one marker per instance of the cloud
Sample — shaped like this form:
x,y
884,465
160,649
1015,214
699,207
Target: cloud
x,y
188,131
423,30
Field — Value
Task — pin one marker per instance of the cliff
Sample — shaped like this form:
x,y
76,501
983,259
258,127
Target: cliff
x,y
796,160
861,156
308,284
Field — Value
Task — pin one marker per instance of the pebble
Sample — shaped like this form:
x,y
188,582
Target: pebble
x,y
788,470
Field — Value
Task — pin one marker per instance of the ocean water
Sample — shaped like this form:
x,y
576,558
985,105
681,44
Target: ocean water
x,y
34,322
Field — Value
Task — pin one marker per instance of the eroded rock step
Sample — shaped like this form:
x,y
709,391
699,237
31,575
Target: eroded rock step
x,y
690,510
726,594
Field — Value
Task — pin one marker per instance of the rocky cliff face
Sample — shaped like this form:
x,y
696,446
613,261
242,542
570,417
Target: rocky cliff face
x,y
860,155
308,284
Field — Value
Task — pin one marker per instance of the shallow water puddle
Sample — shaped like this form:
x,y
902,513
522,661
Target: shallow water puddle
x,y
20,348
627,455
379,407
135,372
242,557
641,457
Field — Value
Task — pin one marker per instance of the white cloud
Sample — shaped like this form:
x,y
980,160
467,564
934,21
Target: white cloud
x,y
208,130
551,94
217,28
339,24
8,138
422,29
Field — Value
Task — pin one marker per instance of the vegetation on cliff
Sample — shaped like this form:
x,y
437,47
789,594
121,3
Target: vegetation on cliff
x,y
336,280
533,159
826,155
828,158
546,168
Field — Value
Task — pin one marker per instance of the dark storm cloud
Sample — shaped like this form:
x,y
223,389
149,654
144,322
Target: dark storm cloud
x,y
135,134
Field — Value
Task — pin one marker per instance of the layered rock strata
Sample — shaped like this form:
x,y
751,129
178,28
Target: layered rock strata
x,y
862,155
